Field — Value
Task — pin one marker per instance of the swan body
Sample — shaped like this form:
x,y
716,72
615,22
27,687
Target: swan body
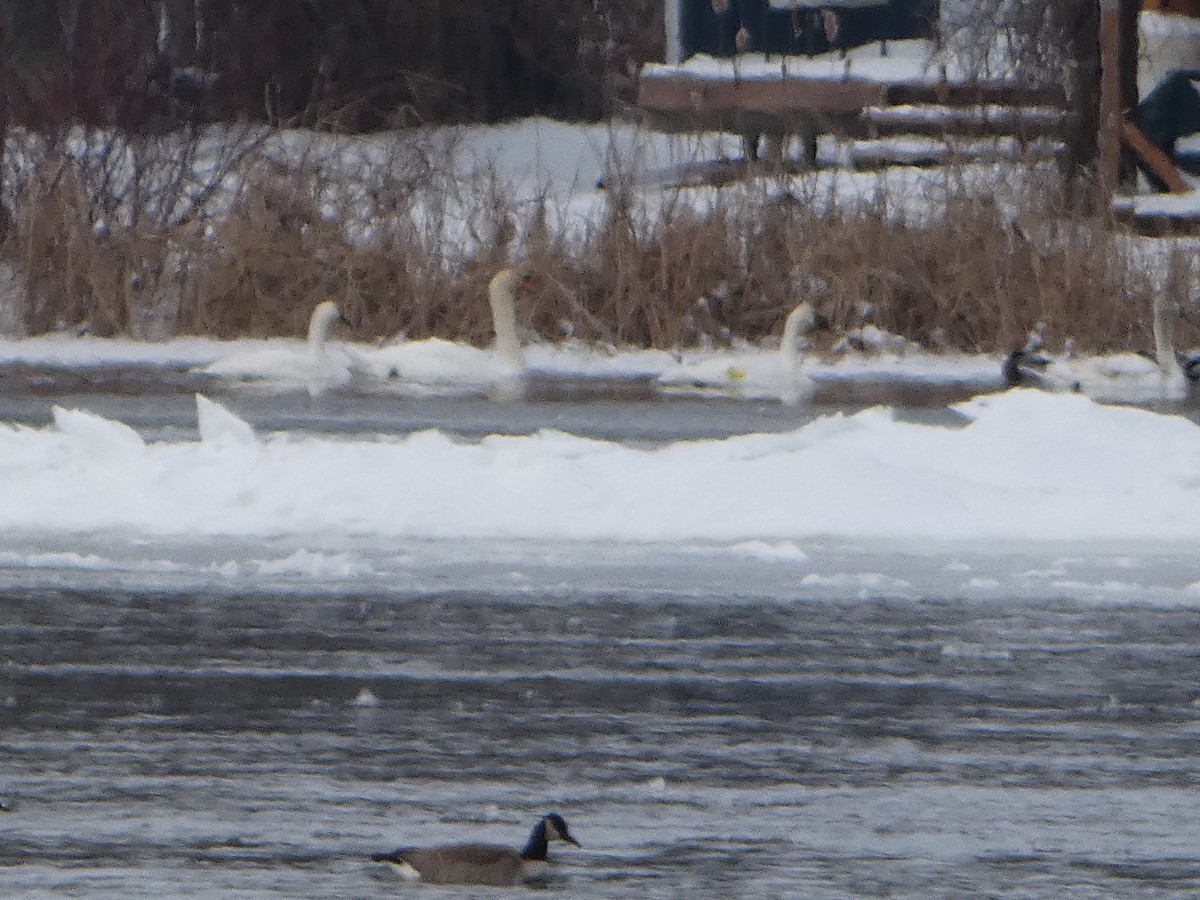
x,y
481,864
448,366
315,365
753,374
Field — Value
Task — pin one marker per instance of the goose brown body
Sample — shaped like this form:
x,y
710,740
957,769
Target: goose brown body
x,y
481,864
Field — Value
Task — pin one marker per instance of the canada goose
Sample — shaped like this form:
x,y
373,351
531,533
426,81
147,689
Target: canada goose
x,y
316,366
482,864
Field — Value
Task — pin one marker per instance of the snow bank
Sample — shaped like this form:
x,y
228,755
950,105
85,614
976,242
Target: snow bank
x,y
1026,467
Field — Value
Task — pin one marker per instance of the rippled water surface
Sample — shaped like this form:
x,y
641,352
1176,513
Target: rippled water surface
x,y
259,744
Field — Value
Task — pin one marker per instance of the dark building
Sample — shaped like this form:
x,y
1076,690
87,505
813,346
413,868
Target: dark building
x,y
799,27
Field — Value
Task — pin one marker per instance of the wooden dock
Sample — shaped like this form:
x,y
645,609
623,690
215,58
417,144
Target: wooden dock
x,y
807,107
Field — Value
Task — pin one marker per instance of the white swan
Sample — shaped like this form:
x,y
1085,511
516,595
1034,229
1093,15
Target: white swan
x,y
315,366
754,374
454,367
511,370
1174,379
502,297
1116,377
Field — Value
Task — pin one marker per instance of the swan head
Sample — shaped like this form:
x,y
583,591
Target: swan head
x,y
324,315
511,281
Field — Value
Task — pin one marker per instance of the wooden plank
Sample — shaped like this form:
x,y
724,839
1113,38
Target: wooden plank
x,y
852,107
978,94
1153,158
828,95
785,95
1021,123
1156,224
872,123
734,121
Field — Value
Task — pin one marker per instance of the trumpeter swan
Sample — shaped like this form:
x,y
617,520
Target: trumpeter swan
x,y
506,371
1174,379
316,366
440,364
755,374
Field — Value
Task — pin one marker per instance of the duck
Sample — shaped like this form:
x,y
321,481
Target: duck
x,y
1116,377
755,374
1027,367
1024,369
316,366
481,864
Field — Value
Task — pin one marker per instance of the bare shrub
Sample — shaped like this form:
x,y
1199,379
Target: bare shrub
x,y
974,273
405,236
970,271
381,226
103,218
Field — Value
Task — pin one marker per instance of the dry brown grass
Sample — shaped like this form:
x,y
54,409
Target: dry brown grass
x,y
971,275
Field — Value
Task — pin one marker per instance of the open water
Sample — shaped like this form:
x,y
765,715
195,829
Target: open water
x,y
709,729
263,745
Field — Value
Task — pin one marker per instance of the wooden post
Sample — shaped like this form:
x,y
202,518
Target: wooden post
x,y
1109,174
673,22
5,217
1118,91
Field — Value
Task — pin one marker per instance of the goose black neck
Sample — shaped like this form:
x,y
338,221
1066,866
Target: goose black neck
x,y
538,845
1012,368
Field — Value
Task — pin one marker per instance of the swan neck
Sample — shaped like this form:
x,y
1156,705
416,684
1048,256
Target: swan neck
x,y
797,324
1164,335
504,319
318,331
